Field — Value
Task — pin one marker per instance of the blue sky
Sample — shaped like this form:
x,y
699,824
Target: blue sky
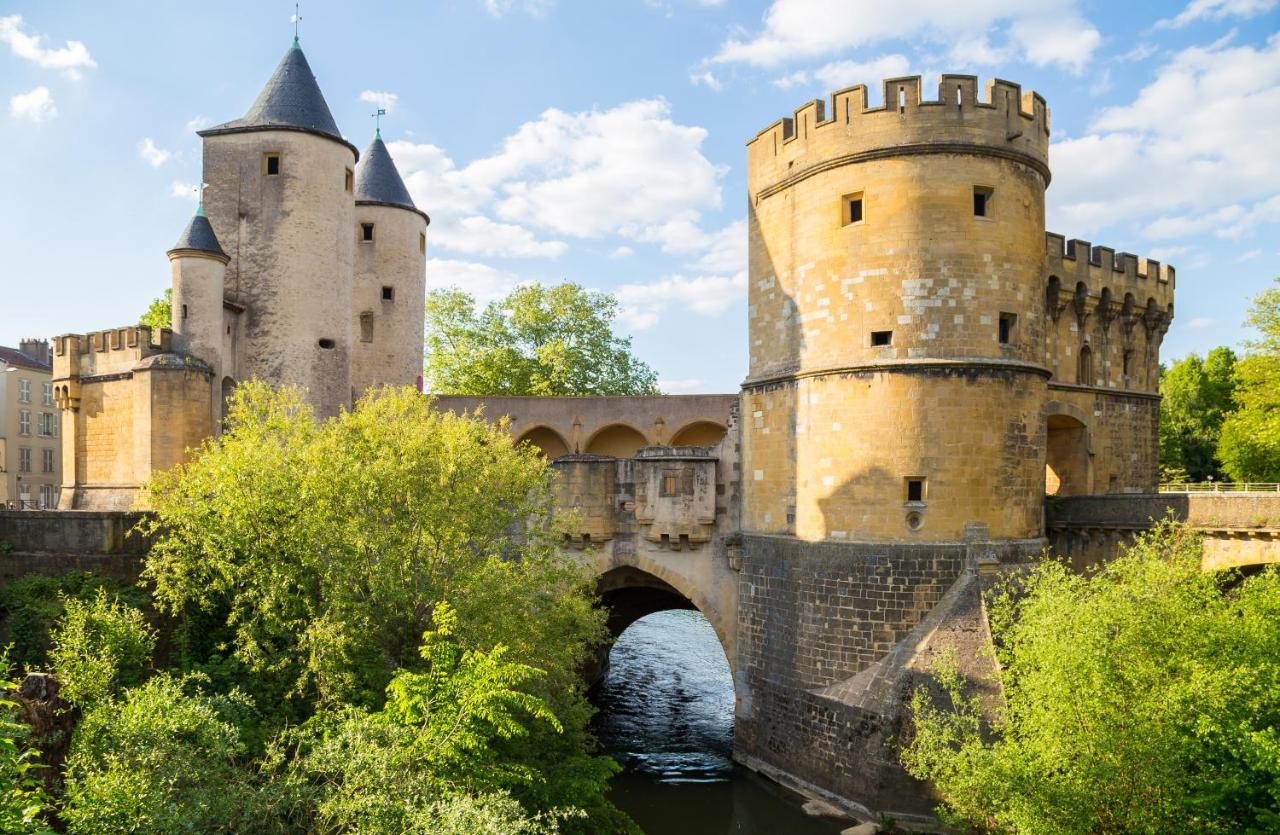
x,y
603,142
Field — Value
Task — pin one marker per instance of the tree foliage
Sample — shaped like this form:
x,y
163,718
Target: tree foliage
x,y
1250,444
100,645
159,314
22,796
1197,396
552,341
1141,698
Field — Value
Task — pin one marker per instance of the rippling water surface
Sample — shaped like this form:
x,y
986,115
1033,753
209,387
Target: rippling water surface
x,y
666,714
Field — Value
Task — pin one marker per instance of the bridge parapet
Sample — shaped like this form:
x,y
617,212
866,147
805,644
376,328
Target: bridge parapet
x,y
1240,529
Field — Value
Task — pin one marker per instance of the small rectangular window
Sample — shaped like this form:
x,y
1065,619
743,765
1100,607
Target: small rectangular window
x,y
24,391
366,327
851,209
422,242
915,489
1007,321
388,294
366,232
982,201
350,181
47,394
327,344
271,164
24,422
184,311
879,339
46,460
24,459
670,484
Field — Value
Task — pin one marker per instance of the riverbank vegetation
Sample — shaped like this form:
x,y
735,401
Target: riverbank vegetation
x,y
352,626
1220,416
1141,697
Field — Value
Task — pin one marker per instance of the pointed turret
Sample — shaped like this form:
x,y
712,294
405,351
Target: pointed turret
x,y
199,237
291,100
390,275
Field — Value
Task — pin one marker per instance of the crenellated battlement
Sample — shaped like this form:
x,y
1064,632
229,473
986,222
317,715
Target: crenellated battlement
x,y
111,351
1005,121
1100,271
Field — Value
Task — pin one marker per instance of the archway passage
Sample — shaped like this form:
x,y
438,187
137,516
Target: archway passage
x,y
618,440
703,433
1067,457
548,441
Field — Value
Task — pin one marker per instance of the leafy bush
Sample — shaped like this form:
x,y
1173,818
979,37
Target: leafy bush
x,y
100,645
1140,698
164,758
31,606
22,796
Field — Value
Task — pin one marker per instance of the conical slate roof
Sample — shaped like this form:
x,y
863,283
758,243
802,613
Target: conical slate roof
x,y
199,236
291,101
378,180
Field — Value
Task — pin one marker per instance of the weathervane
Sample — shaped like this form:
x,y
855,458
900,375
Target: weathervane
x,y
295,20
377,124
200,192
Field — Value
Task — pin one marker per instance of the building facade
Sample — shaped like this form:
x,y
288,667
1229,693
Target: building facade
x,y
30,446
304,265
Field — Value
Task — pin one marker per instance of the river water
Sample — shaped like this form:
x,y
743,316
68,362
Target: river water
x,y
666,714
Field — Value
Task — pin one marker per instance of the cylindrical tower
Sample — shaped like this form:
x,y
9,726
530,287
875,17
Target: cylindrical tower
x,y
280,196
390,276
896,380
199,270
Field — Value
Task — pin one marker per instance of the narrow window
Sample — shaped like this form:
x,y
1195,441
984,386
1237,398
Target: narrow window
x,y
670,485
184,311
1007,321
982,201
271,164
1084,367
366,327
902,99
24,459
350,181
46,460
326,343
1128,362
388,293
422,242
852,210
366,232
915,489
881,338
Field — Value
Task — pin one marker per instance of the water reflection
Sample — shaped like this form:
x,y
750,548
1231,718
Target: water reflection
x,y
666,714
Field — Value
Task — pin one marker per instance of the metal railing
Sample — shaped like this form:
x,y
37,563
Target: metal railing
x,y
1222,487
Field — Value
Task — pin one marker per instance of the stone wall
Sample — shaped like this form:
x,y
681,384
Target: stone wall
x,y
55,542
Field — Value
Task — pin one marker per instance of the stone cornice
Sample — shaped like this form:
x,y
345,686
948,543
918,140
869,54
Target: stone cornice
x,y
905,366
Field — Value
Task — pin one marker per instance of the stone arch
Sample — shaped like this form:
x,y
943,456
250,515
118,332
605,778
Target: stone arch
x,y
704,433
620,440
1068,464
548,441
632,591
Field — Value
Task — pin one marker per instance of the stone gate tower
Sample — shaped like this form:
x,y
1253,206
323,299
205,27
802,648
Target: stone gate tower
x,y
895,389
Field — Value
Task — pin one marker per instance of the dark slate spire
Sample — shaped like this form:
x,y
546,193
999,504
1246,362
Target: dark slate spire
x,y
378,180
291,101
199,236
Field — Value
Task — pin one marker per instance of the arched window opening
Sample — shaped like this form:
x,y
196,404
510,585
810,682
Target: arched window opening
x,y
618,440
228,392
1067,457
1084,367
702,433
547,441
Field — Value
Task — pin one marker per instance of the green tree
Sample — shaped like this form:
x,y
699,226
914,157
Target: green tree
x,y
1197,398
319,553
99,646
554,341
22,796
1140,698
436,736
160,312
1250,444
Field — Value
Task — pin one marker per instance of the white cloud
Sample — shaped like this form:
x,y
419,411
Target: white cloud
x,y
680,386
386,101
642,304
706,78
535,8
1040,31
483,282
1201,322
183,191
1193,153
1216,10
153,155
1248,256
840,74
477,235
35,106
622,252
69,59
196,123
